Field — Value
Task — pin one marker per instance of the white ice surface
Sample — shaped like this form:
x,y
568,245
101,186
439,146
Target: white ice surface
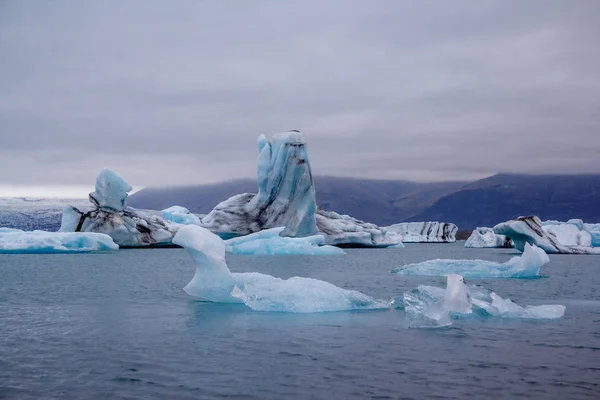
x,y
269,242
41,242
528,265
213,281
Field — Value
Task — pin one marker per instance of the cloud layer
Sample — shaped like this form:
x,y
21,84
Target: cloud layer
x,y
177,92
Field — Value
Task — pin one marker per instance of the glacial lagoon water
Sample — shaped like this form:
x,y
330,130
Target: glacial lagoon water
x,y
119,326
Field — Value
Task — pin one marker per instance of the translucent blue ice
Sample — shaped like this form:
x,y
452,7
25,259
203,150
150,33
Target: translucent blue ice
x,y
213,281
180,215
41,242
527,265
111,191
433,307
485,237
269,242
286,195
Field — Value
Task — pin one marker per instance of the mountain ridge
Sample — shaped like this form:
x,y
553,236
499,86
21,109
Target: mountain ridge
x,y
484,202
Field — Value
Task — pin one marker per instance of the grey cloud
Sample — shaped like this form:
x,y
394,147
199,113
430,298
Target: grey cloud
x,y
176,93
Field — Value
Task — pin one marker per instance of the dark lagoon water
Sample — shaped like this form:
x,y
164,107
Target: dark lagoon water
x,y
118,326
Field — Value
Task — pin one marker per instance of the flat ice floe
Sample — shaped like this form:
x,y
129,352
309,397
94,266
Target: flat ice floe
x,y
214,282
528,265
41,242
269,242
434,307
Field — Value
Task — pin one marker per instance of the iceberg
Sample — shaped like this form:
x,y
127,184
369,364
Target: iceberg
x,y
485,237
531,230
423,232
528,265
269,242
286,198
570,233
345,231
111,191
127,226
594,231
41,242
433,307
180,215
286,195
214,282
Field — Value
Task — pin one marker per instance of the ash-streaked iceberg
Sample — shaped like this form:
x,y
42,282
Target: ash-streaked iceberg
x,y
286,197
269,242
434,307
180,215
570,233
41,242
214,282
528,265
343,230
127,226
485,237
423,232
531,230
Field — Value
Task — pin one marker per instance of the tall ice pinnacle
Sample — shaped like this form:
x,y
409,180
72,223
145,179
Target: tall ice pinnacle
x,y
286,195
111,191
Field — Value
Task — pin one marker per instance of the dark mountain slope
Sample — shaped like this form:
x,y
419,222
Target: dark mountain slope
x,y
505,196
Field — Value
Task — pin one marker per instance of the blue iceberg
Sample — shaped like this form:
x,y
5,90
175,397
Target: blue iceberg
x,y
214,282
269,242
41,242
286,197
111,191
552,236
434,307
180,215
594,231
127,226
527,265
485,237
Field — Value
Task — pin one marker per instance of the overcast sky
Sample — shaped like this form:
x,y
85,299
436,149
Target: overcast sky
x,y
171,93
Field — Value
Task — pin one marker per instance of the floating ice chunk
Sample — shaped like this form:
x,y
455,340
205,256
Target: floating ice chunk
x,y
423,232
432,307
268,242
528,265
568,234
111,191
180,215
286,197
594,231
286,194
505,308
41,242
485,237
213,281
531,230
127,226
344,230
301,295
457,297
